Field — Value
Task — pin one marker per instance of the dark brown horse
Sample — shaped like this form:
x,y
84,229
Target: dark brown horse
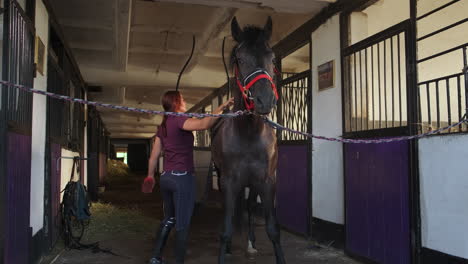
x,y
244,148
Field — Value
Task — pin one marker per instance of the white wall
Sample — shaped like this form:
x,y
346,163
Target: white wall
x,y
327,157
39,127
444,194
66,168
378,17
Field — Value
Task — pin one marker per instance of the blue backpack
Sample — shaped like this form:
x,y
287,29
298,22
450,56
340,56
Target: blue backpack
x,y
75,199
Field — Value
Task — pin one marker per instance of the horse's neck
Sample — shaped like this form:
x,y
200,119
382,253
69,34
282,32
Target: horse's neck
x,y
251,126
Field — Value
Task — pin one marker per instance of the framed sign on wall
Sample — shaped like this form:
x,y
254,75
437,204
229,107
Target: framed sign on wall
x,y
39,55
326,75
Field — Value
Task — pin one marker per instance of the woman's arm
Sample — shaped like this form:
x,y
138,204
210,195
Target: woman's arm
x,y
193,124
155,152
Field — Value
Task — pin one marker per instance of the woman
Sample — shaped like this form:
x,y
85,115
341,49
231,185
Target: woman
x,y
177,182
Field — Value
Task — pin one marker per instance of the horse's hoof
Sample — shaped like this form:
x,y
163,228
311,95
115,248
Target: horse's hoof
x,y
252,251
251,254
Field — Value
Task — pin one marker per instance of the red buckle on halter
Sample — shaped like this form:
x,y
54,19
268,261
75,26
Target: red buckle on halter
x,y
249,104
276,71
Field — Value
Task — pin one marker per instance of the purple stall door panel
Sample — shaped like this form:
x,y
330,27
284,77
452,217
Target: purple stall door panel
x,y
377,202
55,168
18,199
292,188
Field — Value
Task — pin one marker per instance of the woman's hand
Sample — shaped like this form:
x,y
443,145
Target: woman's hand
x,y
193,124
148,185
224,106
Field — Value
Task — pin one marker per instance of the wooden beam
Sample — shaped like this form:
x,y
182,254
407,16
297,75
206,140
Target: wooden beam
x,y
58,29
123,14
301,35
265,6
115,125
128,141
160,50
208,99
85,24
160,29
133,130
221,3
133,135
90,46
220,20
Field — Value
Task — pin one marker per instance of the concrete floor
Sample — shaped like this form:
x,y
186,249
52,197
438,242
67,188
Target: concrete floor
x,y
204,238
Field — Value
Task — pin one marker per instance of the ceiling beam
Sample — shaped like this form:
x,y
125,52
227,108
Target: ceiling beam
x,y
158,91
221,3
301,36
132,130
259,5
208,99
123,14
115,125
90,46
165,88
159,50
218,22
160,29
54,22
85,23
133,135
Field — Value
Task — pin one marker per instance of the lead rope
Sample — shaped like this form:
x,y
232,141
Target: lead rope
x,y
226,69
186,63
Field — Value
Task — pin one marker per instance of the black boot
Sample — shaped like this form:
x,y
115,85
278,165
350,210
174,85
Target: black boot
x,y
161,239
181,245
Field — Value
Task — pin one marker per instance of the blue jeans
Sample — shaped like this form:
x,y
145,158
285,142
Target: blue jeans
x,y
178,193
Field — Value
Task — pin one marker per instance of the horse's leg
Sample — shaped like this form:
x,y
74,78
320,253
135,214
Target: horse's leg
x,y
230,196
252,202
272,229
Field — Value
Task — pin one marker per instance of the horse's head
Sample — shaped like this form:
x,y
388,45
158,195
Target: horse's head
x,y
253,62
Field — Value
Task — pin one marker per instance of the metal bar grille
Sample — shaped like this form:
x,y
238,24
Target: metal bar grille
x,y
295,105
20,68
443,29
438,9
57,108
294,97
441,98
375,95
442,105
465,72
77,122
202,138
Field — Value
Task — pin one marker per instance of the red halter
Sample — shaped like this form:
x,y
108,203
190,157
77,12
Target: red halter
x,y
259,74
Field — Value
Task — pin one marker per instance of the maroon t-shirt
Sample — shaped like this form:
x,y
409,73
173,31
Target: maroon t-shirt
x,y
177,145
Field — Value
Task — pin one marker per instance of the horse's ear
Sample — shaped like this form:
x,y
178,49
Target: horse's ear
x,y
236,31
268,28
